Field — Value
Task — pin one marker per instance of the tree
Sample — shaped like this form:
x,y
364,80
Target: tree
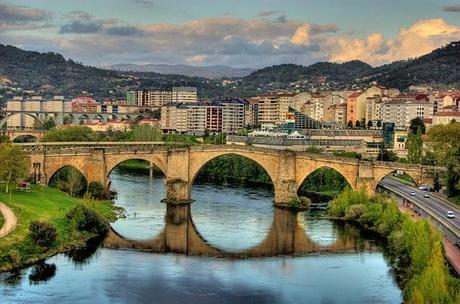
x,y
414,147
369,124
75,133
416,124
96,190
350,124
42,233
363,123
386,155
379,124
49,124
147,133
313,149
357,124
436,184
13,164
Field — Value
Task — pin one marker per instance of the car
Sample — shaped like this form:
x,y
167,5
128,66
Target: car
x,y
450,214
413,194
426,195
424,188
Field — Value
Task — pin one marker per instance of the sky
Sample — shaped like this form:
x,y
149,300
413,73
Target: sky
x,y
239,33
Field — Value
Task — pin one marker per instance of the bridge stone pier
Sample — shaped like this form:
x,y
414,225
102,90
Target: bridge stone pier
x,y
181,164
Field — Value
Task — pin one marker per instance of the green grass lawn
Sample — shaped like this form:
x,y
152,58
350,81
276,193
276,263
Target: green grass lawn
x,y
1,221
455,200
44,204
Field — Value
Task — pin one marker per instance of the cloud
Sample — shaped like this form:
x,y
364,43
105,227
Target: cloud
x,y
416,40
455,8
266,13
281,18
144,3
15,14
124,30
79,27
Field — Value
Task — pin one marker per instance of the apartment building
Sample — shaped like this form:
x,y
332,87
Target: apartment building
x,y
251,113
149,98
233,115
84,104
269,110
184,94
402,111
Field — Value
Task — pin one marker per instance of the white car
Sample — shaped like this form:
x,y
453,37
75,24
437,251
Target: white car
x,y
426,195
450,214
412,194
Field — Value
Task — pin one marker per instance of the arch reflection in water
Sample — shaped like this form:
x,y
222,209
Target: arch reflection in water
x,y
286,237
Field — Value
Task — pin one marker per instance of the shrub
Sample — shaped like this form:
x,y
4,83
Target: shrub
x,y
354,212
96,190
86,219
299,202
42,233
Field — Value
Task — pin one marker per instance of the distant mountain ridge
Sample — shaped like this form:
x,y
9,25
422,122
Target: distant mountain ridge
x,y
211,72
51,74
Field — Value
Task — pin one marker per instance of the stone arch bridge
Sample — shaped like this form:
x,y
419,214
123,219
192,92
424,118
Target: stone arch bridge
x,y
181,164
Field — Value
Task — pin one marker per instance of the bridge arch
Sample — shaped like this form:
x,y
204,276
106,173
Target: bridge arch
x,y
266,162
10,115
307,167
54,168
15,138
382,173
340,181
81,185
113,161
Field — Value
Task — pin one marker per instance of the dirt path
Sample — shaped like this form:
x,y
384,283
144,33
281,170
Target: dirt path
x,y
10,220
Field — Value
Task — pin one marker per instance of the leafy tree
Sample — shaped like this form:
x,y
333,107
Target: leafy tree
x,y
96,190
42,233
350,124
414,146
436,183
387,155
49,124
13,164
4,139
74,133
147,133
357,124
69,180
86,219
416,124
369,124
314,150
379,123
363,123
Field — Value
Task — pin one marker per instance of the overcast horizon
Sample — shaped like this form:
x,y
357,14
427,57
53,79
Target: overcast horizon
x,y
205,32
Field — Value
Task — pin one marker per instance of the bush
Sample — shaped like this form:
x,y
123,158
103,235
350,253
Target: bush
x,y
42,233
354,212
299,202
96,190
86,219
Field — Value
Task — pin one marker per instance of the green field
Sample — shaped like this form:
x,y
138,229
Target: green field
x,y
44,204
1,221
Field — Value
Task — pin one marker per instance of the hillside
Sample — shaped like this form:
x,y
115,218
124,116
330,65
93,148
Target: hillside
x,y
50,74
211,72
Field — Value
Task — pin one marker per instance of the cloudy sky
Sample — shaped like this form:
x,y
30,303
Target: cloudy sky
x,y
240,33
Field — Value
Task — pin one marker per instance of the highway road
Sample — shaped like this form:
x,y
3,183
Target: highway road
x,y
435,202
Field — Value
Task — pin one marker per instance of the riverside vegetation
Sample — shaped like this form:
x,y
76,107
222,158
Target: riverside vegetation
x,y
415,248
49,221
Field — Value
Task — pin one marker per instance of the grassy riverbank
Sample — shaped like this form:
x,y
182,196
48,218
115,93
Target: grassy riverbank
x,y
415,248
49,205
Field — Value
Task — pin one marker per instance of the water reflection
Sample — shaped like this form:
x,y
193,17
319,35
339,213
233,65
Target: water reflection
x,y
42,272
286,236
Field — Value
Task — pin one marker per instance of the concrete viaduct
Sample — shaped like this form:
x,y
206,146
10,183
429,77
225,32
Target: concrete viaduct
x,y
75,117
181,164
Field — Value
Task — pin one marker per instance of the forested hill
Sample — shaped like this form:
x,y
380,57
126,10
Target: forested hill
x,y
51,74
440,67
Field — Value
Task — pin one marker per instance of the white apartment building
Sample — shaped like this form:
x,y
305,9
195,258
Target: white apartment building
x,y
233,115
401,112
184,94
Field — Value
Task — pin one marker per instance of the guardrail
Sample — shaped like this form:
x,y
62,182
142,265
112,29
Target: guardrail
x,y
427,209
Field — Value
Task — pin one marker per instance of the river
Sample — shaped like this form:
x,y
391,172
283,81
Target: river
x,y
232,246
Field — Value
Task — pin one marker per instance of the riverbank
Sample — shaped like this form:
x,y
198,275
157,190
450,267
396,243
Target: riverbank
x,y
50,205
415,248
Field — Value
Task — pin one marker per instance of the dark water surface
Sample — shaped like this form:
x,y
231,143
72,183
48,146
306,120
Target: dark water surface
x,y
348,265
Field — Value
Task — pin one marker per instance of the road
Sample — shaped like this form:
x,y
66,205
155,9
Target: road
x,y
435,202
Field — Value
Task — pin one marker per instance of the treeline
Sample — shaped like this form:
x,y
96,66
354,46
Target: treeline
x,y
415,247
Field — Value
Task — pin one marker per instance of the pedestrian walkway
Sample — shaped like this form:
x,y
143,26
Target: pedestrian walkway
x,y
9,220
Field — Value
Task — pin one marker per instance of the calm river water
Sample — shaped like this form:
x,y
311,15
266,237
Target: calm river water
x,y
293,258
